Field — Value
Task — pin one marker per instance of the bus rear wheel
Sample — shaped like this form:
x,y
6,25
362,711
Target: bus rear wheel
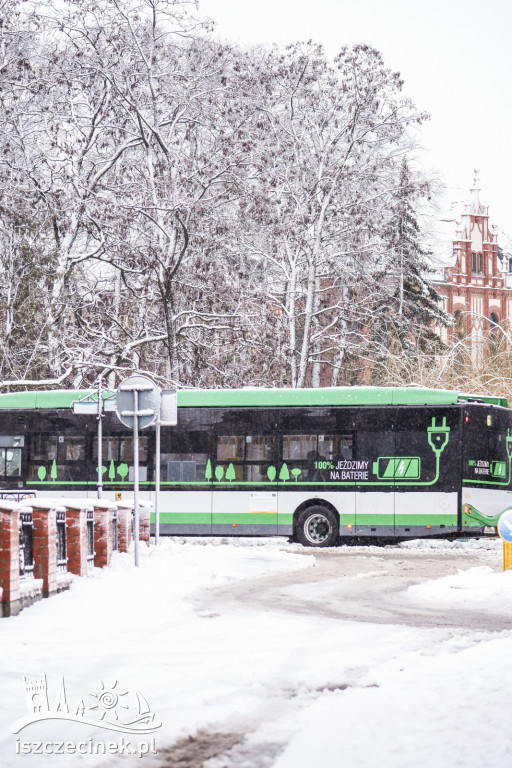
x,y
317,527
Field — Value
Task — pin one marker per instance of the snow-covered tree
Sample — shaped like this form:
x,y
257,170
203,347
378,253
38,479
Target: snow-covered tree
x,y
407,308
329,138
211,215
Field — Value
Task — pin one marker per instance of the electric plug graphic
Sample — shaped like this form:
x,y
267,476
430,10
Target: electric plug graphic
x,y
508,442
438,436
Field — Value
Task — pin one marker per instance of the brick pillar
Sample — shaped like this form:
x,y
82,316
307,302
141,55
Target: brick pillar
x,y
144,524
103,533
76,539
10,559
124,527
45,547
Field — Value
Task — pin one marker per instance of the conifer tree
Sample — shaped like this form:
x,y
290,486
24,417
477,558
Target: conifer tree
x,y
407,309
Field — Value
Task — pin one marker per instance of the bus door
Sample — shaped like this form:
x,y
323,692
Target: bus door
x,y
11,448
185,472
487,465
244,473
316,464
375,484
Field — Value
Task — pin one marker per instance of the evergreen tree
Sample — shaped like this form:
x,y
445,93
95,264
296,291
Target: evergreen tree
x,y
407,309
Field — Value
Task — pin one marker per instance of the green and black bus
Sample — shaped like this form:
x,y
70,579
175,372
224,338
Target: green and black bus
x,y
319,465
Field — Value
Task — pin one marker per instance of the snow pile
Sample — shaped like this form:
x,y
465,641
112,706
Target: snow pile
x,y
458,546
444,708
475,589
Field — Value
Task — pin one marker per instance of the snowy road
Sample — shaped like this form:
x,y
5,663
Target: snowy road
x,y
258,654
355,585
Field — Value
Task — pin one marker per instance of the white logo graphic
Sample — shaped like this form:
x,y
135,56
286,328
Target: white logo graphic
x,y
112,705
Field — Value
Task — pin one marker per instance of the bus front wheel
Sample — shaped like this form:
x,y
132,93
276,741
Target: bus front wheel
x,y
317,527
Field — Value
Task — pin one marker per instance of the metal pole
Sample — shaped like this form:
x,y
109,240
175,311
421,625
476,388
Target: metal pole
x,y
157,481
100,441
136,473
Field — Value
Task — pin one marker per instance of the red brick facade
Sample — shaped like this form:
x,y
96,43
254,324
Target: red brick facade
x,y
45,547
124,526
104,522
475,289
76,539
9,556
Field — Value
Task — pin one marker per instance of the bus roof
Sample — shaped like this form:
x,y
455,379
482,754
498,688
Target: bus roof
x,y
328,396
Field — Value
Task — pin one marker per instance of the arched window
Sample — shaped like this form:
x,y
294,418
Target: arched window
x,y
473,263
494,335
458,326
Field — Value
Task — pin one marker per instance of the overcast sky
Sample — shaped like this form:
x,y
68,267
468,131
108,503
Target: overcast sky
x,y
454,56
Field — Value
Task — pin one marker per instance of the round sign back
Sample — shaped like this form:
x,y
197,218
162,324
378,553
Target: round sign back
x,y
505,525
148,401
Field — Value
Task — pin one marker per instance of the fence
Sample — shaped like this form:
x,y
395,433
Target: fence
x,y
26,544
44,541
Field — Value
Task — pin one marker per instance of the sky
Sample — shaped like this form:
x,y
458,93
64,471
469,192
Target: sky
x,y
455,58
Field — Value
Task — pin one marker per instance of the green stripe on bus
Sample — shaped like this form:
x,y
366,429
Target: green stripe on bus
x,y
375,519
426,519
249,518
198,518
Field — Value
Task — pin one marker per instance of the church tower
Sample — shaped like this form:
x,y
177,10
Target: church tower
x,y
474,289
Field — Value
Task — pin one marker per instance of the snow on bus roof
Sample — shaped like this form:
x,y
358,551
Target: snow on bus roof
x,y
328,396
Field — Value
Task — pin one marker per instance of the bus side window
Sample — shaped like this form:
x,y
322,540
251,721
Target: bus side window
x,y
44,447
184,456
299,447
117,457
230,447
230,456
375,438
311,455
42,456
10,455
245,457
73,449
259,456
10,462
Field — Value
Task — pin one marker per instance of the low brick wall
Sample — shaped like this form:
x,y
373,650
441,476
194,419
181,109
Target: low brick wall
x,y
77,536
124,525
10,558
90,531
144,524
45,546
105,534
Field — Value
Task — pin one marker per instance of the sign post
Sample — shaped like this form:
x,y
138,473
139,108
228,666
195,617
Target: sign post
x,y
137,407
168,416
505,533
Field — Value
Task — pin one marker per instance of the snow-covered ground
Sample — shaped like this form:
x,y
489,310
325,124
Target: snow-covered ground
x,y
258,683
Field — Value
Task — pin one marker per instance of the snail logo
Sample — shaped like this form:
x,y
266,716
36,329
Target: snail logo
x,y
118,709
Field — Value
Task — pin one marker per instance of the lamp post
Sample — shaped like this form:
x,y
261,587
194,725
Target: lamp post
x,y
98,407
137,407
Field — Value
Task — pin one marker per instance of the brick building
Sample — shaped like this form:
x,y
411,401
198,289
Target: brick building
x,y
475,289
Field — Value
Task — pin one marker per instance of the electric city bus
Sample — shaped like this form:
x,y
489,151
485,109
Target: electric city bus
x,y
317,465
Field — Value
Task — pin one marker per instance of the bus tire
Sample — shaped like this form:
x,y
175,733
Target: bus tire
x,y
317,526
